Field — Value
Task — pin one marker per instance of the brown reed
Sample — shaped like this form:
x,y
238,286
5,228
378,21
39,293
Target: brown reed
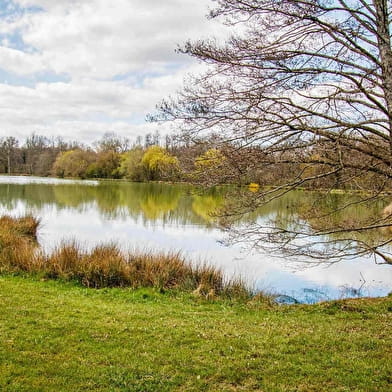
x,y
107,266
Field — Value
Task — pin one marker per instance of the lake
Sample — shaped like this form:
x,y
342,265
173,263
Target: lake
x,y
178,217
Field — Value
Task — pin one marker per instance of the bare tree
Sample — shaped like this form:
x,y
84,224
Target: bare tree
x,y
8,148
34,148
310,83
112,142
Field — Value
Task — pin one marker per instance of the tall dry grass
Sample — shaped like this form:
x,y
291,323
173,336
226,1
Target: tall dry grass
x,y
25,226
107,266
18,242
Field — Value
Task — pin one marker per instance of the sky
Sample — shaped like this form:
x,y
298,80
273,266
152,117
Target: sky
x,y
81,68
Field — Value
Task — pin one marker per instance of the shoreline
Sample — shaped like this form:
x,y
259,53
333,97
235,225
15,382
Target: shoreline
x,y
201,185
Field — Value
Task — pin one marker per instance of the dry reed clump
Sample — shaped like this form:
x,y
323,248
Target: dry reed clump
x,y
107,266
18,243
25,226
104,266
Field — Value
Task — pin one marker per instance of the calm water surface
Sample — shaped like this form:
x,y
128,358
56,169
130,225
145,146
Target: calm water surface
x,y
177,217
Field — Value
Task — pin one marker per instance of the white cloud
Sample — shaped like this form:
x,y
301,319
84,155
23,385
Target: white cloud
x,y
119,58
95,38
84,109
20,62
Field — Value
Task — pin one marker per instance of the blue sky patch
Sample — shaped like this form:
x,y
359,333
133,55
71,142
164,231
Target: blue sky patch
x,y
8,8
31,81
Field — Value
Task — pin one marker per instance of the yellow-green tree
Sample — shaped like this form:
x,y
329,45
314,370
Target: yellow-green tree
x,y
131,166
158,164
73,163
106,165
210,165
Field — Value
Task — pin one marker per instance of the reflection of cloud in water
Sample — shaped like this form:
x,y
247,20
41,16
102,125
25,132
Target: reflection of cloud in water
x,y
266,273
119,213
20,180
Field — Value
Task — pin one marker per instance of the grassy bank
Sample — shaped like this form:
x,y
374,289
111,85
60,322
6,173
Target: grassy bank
x,y
58,336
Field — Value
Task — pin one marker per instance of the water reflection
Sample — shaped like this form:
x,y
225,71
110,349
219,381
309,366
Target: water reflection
x,y
149,202
160,216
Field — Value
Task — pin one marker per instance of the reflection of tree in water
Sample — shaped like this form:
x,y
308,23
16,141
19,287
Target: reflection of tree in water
x,y
149,202
117,200
331,218
158,205
74,196
33,195
323,212
184,204
207,205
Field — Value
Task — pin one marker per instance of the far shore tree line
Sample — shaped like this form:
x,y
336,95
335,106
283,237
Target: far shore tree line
x,y
207,161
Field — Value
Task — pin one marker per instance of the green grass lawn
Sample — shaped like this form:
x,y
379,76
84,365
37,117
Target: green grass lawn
x,y
58,336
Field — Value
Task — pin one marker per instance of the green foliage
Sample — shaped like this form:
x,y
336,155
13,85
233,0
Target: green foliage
x,y
131,166
159,164
106,165
73,163
87,164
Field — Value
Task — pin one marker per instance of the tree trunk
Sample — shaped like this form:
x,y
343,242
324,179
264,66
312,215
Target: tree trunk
x,y
9,162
